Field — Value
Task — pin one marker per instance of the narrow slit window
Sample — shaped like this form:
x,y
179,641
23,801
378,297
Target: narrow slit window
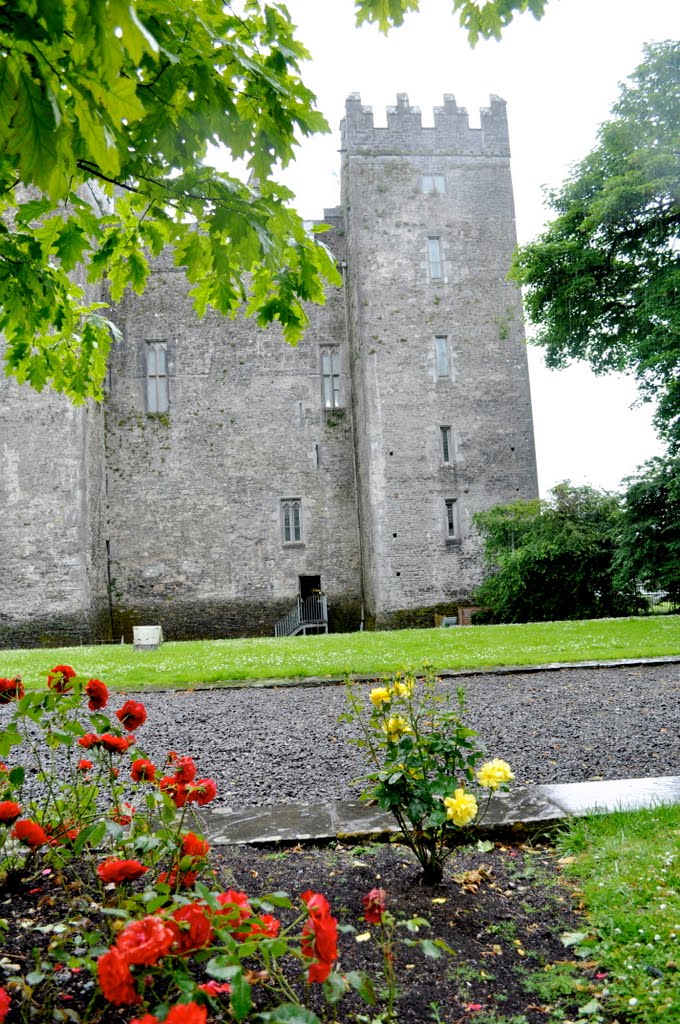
x,y
156,377
434,184
446,443
434,259
330,378
452,531
441,352
291,520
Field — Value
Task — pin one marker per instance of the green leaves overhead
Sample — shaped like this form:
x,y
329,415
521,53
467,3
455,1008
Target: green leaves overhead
x,y
603,281
478,19
113,97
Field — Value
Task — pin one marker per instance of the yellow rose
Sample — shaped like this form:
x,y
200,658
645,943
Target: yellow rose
x,y
494,773
396,727
381,695
461,808
403,689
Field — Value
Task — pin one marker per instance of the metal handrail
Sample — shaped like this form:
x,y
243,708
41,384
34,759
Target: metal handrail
x,y
307,611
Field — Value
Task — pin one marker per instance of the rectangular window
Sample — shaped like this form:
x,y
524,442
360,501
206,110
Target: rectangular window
x,y
156,377
441,352
434,184
330,378
434,259
291,520
446,443
452,530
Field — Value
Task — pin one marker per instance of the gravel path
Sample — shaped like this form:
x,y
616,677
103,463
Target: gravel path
x,y
285,745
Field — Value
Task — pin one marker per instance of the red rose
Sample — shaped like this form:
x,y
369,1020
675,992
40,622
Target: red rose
x,y
202,792
115,979
9,812
235,908
185,769
5,1002
191,928
177,791
213,988
317,904
319,936
375,905
123,816
143,770
148,1018
11,689
193,846
115,744
175,880
84,765
237,911
144,941
60,835
114,870
187,1013
131,715
29,832
90,739
98,694
60,678
265,925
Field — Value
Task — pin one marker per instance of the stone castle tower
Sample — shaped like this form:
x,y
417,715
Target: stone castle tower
x,y
227,473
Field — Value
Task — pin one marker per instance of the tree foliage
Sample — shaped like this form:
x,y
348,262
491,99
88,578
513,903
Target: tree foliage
x,y
130,97
649,546
126,98
603,281
552,560
486,19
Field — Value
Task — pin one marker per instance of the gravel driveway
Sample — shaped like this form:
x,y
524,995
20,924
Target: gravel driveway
x,y
285,745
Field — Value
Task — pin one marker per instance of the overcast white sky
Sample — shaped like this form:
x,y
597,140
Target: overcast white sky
x,y
560,77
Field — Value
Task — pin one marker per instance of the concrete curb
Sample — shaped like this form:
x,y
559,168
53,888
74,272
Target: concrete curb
x,y
526,808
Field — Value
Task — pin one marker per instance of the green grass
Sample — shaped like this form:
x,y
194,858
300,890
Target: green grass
x,y
177,664
627,866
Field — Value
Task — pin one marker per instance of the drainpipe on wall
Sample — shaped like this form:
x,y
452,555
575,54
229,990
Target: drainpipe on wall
x,y
343,268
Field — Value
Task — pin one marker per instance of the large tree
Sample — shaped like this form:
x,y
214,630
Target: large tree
x,y
111,97
553,559
128,98
603,281
649,546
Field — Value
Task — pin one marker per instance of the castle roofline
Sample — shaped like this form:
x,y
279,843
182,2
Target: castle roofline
x,y
405,132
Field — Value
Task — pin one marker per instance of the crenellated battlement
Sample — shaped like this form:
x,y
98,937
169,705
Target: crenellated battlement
x,y
451,134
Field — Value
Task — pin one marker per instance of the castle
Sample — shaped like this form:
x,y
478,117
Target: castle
x,y
226,473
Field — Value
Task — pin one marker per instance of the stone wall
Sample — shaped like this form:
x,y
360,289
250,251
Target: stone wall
x,y
194,496
52,553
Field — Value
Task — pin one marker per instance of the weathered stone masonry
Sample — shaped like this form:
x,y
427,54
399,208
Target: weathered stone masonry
x,y
117,515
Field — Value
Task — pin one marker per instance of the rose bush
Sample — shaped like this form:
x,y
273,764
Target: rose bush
x,y
425,763
162,939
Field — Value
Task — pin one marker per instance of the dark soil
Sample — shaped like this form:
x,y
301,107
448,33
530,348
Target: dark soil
x,y
501,912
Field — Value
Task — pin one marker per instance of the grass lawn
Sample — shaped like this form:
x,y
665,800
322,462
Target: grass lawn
x,y
179,664
627,868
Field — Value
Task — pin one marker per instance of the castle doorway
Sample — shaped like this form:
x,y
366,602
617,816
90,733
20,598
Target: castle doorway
x,y
309,585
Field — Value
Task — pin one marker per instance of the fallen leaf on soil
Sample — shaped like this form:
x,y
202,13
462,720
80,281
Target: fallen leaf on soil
x,y
471,880
254,977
